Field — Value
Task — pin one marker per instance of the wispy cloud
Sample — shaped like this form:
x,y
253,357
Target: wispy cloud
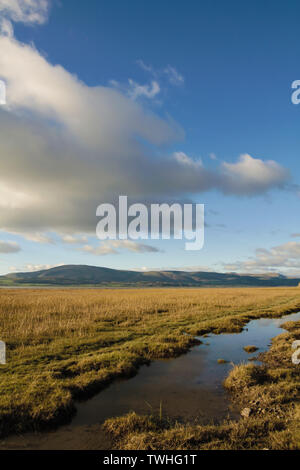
x,y
183,159
170,73
189,269
73,239
146,67
174,77
39,238
285,257
135,90
113,247
148,91
33,267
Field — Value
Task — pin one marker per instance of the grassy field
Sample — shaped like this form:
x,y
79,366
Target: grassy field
x,y
69,343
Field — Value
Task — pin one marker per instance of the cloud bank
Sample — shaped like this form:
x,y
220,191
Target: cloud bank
x,y
285,257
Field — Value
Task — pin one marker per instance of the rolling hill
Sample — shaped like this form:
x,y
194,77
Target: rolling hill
x,y
82,275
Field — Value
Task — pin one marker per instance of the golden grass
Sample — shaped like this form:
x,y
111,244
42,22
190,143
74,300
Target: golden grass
x,y
66,343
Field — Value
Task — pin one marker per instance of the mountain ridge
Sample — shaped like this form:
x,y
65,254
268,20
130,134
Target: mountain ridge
x,y
85,275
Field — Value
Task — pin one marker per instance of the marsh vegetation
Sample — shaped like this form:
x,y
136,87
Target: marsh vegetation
x,y
69,344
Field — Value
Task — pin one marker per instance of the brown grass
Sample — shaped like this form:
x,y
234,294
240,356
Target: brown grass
x,y
66,343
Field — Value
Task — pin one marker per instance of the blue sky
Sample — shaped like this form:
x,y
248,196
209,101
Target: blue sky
x,y
102,95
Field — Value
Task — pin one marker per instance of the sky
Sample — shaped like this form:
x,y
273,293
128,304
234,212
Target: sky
x,y
188,101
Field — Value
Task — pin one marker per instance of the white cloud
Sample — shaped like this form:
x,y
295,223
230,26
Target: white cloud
x,y
188,269
73,240
147,91
67,140
252,175
104,249
25,11
39,238
33,267
146,67
135,90
170,73
9,247
285,257
36,237
112,247
183,159
77,146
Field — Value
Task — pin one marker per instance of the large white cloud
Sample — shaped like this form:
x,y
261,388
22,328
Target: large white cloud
x,y
66,147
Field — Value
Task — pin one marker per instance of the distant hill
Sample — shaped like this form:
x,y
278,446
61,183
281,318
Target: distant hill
x,y
81,275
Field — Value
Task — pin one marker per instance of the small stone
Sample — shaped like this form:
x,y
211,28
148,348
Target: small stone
x,y
246,412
